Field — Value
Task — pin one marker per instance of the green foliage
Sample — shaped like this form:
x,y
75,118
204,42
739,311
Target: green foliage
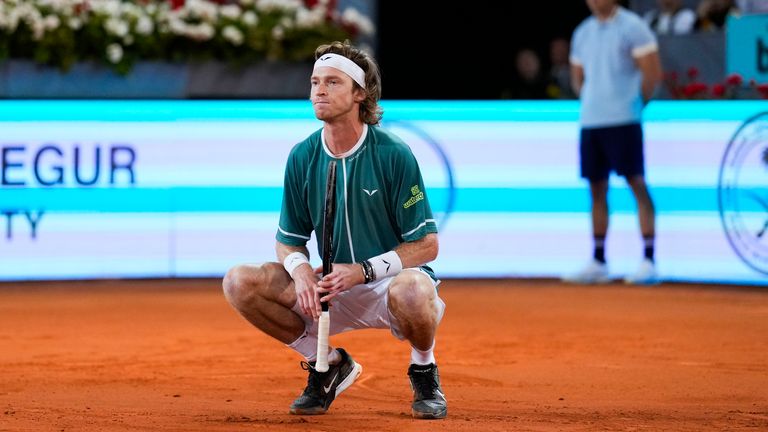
x,y
118,33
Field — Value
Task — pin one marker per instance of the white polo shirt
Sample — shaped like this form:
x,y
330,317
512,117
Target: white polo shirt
x,y
611,94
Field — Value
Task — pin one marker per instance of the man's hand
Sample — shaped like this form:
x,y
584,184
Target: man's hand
x,y
305,283
342,278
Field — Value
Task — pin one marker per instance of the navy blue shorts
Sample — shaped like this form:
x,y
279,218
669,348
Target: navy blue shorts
x,y
615,148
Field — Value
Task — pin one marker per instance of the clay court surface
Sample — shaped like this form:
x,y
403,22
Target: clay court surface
x,y
514,355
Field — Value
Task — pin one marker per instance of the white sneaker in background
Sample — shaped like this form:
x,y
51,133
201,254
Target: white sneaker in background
x,y
595,272
645,275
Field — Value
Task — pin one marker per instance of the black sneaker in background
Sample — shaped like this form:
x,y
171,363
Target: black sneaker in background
x,y
323,387
428,398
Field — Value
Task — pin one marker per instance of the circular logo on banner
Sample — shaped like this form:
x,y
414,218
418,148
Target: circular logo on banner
x,y
743,192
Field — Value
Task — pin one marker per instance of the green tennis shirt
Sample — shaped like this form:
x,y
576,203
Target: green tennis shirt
x,y
380,196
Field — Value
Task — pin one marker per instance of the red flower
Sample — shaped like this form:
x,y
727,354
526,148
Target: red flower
x,y
671,76
694,89
81,8
763,89
312,3
718,90
693,72
734,79
176,4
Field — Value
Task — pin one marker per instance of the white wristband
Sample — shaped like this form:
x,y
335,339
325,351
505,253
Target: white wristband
x,y
294,260
386,264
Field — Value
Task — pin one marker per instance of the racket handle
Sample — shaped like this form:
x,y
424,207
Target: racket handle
x,y
323,327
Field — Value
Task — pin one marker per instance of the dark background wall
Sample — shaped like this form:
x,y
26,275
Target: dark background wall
x,y
418,47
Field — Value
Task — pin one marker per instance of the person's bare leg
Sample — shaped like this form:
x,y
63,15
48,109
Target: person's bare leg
x,y
646,212
412,302
263,295
599,193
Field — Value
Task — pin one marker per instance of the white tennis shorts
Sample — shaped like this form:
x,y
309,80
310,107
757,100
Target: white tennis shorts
x,y
365,307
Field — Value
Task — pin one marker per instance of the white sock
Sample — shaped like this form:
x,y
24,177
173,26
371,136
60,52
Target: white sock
x,y
305,345
333,356
420,357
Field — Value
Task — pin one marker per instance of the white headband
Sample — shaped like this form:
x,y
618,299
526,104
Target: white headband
x,y
343,64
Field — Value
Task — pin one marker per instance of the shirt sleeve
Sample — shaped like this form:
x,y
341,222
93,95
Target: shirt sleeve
x,y
642,41
576,55
412,211
295,227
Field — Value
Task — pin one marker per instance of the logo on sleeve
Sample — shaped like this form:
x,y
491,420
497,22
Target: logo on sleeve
x,y
417,195
370,192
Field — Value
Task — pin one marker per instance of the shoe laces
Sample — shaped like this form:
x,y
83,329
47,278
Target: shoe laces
x,y
425,383
313,380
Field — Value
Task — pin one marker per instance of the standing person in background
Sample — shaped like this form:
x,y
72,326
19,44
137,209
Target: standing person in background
x,y
615,71
384,237
528,80
560,70
670,18
712,15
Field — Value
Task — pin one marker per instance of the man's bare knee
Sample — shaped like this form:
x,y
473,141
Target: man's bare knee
x,y
411,290
243,282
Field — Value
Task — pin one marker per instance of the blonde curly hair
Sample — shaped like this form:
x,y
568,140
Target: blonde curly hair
x,y
370,111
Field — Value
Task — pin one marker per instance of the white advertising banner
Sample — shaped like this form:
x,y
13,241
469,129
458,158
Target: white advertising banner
x,y
121,189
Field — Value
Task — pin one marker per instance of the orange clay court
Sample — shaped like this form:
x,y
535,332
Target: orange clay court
x,y
171,355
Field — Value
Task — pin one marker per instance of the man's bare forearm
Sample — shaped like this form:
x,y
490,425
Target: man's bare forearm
x,y
419,252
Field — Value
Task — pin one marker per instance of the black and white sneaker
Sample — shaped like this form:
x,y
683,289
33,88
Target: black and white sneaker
x,y
428,398
323,387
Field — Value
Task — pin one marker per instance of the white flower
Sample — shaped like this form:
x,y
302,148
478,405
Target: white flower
x,y
57,5
230,11
278,32
144,26
114,53
177,26
200,32
278,5
11,21
34,20
358,20
116,27
250,18
306,18
233,34
207,30
75,23
206,10
110,8
130,10
51,22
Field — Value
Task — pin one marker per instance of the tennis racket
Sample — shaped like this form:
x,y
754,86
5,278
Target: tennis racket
x,y
329,215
